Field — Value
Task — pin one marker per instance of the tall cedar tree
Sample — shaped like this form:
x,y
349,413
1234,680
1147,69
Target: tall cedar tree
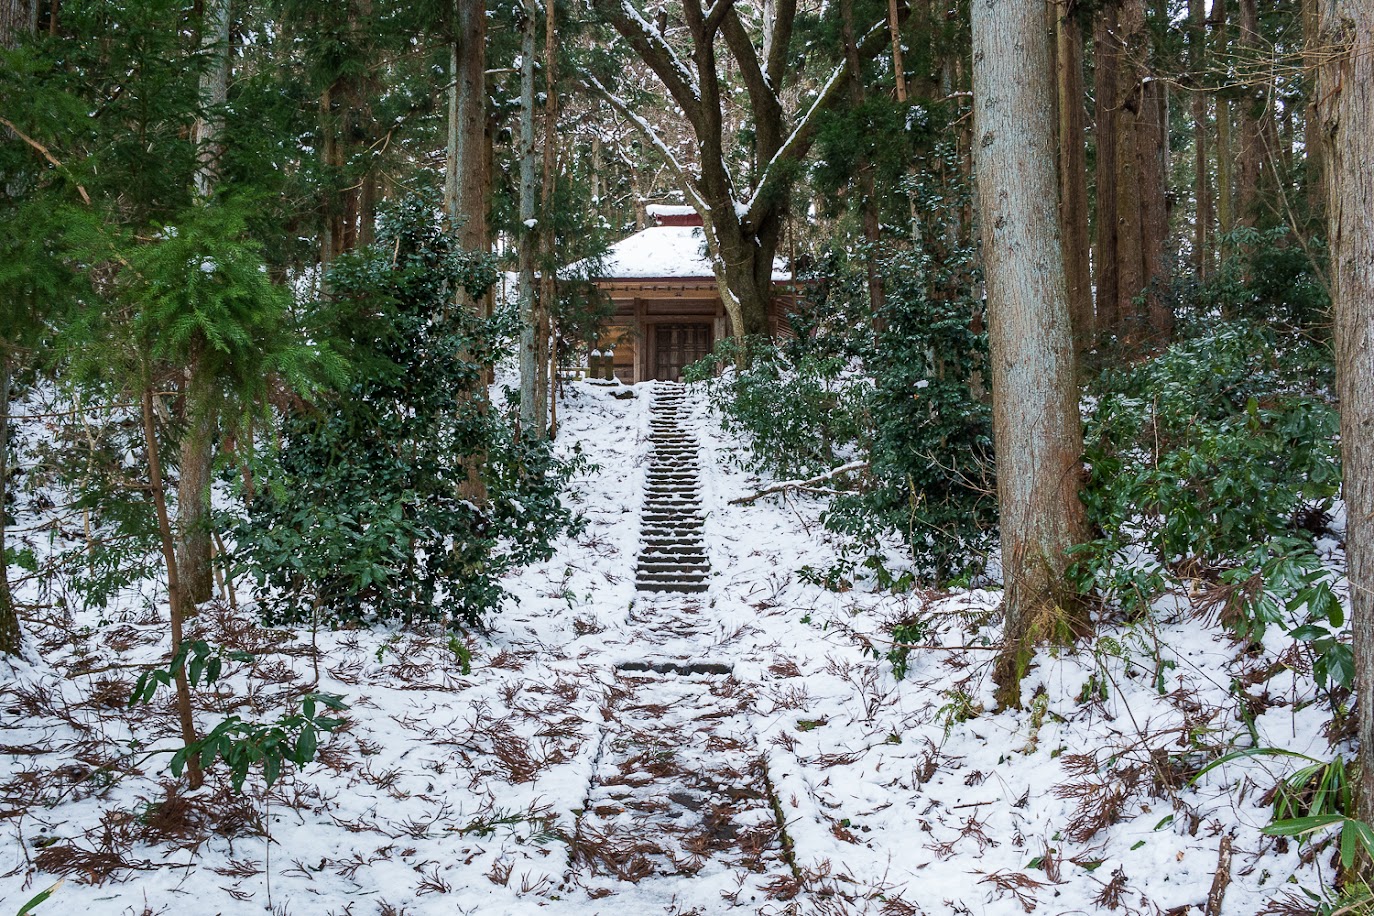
x,y
17,19
1037,432
1347,112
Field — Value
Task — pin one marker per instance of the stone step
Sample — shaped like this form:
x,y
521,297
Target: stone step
x,y
673,576
671,549
663,530
649,560
670,573
687,588
680,533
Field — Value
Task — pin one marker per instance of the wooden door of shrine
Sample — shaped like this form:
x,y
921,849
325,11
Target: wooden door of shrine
x,y
679,345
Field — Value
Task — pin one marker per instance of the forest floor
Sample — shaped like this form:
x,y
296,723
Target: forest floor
x,y
613,752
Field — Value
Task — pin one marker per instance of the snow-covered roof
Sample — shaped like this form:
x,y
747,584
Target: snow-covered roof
x,y
666,253
655,211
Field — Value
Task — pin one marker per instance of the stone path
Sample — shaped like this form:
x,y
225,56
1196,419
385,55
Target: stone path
x,y
672,554
679,786
681,789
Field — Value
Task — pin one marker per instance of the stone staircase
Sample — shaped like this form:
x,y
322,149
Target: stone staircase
x,y
672,552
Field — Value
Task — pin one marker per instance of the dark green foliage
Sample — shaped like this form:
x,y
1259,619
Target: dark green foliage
x,y
797,405
361,515
1216,463
1217,455
931,477
907,396
292,738
1269,276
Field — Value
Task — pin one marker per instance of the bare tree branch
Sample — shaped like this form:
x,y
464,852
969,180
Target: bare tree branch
x,y
798,143
655,51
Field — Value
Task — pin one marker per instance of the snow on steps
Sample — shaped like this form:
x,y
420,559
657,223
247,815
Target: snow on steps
x,y
672,554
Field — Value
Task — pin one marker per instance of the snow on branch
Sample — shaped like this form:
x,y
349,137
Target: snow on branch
x,y
654,49
799,141
804,485
654,138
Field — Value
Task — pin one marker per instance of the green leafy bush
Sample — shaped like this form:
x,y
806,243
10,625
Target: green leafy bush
x,y
292,738
931,476
799,411
370,510
1216,456
902,388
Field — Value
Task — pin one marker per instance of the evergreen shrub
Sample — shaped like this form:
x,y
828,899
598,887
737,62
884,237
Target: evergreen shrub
x,y
366,512
1211,462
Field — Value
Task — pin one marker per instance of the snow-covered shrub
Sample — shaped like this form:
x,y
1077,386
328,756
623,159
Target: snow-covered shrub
x,y
1207,461
801,409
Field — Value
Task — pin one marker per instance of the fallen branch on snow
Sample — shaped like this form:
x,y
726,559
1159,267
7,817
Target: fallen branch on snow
x,y
801,484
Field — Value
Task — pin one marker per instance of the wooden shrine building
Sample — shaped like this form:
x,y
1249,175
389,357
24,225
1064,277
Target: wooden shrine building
x,y
668,310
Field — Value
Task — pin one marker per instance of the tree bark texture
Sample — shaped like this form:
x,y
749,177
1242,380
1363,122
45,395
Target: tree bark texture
x,y
1037,429
185,716
894,25
1153,154
547,381
214,92
18,18
1073,170
1107,55
474,188
193,532
1346,88
533,346
1132,179
10,636
1202,176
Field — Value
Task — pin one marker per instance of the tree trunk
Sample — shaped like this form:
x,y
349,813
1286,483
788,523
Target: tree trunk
x,y
1202,178
17,18
467,186
1037,430
898,69
1130,193
1226,211
533,344
193,535
473,199
1073,171
868,204
174,592
10,636
1313,146
1346,88
548,278
214,92
1153,156
1253,102
1107,54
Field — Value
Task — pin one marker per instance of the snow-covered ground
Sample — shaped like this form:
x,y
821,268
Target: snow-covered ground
x,y
551,779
